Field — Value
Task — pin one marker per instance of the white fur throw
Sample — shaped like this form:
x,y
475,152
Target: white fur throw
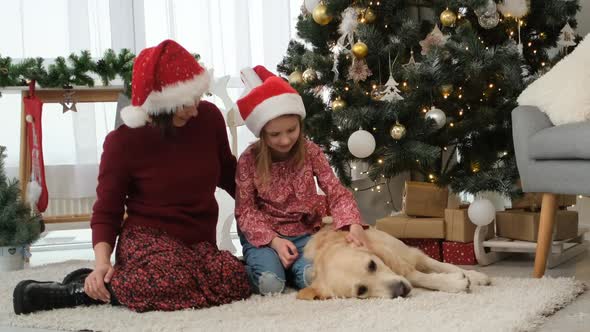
x,y
562,93
509,304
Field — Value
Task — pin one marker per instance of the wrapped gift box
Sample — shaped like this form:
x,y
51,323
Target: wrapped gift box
x,y
459,228
402,226
458,253
532,201
422,199
430,247
524,225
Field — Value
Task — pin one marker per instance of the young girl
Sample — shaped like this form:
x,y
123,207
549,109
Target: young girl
x,y
277,205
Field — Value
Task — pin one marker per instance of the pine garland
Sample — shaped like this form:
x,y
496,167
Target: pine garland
x,y
77,70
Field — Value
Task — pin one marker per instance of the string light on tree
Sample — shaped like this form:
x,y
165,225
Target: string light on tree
x,y
367,16
446,90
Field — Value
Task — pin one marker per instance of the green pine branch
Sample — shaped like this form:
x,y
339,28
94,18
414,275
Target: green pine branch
x,y
18,226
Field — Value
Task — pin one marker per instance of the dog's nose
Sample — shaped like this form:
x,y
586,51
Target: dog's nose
x,y
399,288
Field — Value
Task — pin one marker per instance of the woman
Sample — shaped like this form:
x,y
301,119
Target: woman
x,y
161,169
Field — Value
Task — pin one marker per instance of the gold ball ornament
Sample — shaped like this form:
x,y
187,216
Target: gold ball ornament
x,y
295,78
368,16
338,104
360,50
309,75
398,131
448,18
320,14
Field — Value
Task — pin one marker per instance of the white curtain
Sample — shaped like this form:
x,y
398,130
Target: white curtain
x,y
228,35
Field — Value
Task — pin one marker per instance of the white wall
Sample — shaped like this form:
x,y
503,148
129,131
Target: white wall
x,y
583,18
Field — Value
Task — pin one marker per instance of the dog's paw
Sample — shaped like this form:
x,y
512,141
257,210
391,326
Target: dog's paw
x,y
478,278
456,283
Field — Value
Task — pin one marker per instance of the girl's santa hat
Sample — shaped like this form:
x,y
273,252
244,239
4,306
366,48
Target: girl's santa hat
x,y
164,77
269,97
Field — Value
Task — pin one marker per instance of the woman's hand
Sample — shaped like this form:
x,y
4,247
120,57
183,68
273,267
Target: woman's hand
x,y
357,236
94,285
286,250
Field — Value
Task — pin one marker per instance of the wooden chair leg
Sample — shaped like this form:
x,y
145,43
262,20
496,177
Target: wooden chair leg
x,y
548,209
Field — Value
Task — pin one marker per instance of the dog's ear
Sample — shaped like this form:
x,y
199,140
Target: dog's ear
x,y
310,293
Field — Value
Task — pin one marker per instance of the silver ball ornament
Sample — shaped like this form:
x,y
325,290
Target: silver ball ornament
x,y
438,116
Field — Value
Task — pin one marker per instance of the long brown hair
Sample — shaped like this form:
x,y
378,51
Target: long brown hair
x,y
163,121
263,155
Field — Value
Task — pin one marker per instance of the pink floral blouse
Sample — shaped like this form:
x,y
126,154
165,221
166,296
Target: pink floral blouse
x,y
290,205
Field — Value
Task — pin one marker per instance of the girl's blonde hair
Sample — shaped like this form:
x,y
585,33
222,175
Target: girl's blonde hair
x,y
263,155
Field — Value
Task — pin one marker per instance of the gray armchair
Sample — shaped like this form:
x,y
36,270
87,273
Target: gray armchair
x,y
551,160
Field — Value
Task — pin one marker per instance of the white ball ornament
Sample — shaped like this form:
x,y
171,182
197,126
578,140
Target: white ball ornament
x,y
438,116
481,212
361,144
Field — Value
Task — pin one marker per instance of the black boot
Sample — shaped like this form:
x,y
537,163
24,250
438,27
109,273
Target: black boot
x,y
78,275
31,295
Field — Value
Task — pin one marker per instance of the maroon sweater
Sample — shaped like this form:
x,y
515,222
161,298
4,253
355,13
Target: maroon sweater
x,y
165,183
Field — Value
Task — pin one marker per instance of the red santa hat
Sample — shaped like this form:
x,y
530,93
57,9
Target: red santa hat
x,y
164,77
270,97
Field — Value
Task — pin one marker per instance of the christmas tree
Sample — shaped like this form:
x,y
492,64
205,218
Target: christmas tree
x,y
459,76
17,225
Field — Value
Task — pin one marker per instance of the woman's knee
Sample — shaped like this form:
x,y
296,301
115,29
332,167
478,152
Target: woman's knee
x,y
270,283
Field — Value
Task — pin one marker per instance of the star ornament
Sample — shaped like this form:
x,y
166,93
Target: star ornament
x,y
68,103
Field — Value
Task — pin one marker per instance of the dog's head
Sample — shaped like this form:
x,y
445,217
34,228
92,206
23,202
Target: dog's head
x,y
343,270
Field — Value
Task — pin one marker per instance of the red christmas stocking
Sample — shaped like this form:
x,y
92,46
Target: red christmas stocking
x,y
37,186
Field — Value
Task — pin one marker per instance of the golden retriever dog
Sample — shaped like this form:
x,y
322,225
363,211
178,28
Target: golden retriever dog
x,y
386,268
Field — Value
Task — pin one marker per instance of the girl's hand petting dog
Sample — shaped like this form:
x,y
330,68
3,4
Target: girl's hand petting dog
x,y
357,236
286,249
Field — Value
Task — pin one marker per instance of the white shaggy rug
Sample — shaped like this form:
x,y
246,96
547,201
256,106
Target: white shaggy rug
x,y
508,305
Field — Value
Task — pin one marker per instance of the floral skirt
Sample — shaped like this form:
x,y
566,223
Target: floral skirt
x,y
155,271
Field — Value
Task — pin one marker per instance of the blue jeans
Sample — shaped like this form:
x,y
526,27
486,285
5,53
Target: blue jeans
x,y
265,271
